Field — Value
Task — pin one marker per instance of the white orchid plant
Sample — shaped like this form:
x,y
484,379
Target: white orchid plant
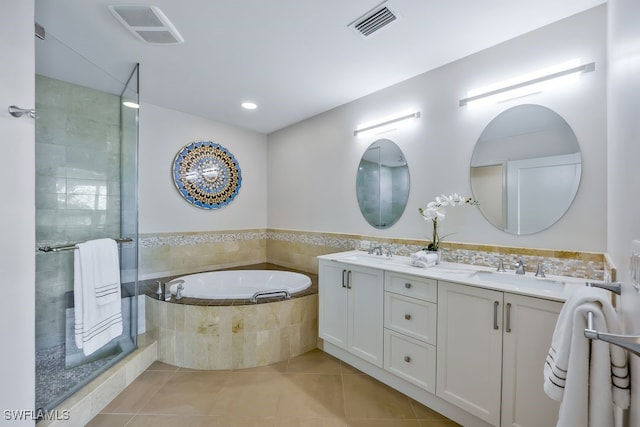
x,y
436,212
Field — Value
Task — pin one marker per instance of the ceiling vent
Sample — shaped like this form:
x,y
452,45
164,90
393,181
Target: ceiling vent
x,y
374,20
147,23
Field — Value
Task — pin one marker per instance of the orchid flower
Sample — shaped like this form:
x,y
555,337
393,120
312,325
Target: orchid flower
x,y
436,211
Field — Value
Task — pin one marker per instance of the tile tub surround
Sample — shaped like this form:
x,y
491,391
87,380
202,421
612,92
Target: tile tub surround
x,y
168,254
232,334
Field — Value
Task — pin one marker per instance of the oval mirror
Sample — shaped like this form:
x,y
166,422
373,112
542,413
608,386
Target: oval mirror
x,y
382,183
525,169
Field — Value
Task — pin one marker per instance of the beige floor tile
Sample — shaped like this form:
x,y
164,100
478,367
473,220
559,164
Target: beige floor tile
x,y
311,396
274,367
187,393
368,422
424,412
166,421
347,369
231,421
314,362
439,423
110,420
249,394
367,398
161,366
138,393
311,422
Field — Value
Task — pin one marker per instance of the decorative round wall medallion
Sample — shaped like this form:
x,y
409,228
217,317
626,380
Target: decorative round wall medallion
x,y
207,175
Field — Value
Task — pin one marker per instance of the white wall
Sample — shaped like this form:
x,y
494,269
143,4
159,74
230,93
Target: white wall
x,y
17,228
312,164
163,133
624,158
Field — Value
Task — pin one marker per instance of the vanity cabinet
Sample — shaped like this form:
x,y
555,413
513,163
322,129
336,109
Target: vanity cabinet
x,y
410,319
351,309
491,351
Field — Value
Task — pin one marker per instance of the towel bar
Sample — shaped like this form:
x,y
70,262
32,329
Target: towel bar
x,y
628,342
72,246
614,287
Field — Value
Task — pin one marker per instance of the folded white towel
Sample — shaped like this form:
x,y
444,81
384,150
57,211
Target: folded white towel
x,y
424,259
97,294
588,377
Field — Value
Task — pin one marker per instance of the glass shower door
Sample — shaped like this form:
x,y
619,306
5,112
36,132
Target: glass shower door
x,y
86,188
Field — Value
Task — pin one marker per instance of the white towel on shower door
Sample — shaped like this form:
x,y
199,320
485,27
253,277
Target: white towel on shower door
x,y
97,295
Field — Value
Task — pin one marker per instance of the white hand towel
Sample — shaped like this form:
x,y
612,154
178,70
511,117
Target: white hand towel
x,y
423,259
97,304
575,365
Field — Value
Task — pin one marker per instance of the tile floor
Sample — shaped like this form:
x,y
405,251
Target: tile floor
x,y
311,390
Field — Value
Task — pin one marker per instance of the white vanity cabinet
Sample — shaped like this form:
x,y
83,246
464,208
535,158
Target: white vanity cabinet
x,y
491,351
410,319
351,309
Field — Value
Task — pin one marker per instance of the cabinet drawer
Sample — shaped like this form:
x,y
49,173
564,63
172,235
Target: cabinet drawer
x,y
412,286
410,359
410,316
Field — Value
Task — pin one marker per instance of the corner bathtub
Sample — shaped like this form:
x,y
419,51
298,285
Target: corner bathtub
x,y
240,284
216,326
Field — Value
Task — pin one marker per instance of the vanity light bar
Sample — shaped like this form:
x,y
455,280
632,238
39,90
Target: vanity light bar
x,y
585,68
386,125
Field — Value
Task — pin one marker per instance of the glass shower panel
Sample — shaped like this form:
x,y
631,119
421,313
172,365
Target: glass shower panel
x,y
86,178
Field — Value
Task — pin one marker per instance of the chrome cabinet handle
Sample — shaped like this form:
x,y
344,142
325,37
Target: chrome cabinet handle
x,y
508,326
344,285
495,314
349,279
407,316
407,285
407,359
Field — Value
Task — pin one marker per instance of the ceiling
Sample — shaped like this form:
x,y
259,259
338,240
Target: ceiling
x,y
294,58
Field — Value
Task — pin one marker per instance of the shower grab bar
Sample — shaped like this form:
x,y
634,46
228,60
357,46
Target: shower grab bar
x,y
628,342
72,246
267,294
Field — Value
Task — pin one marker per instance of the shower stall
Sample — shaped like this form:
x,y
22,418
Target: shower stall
x,y
86,188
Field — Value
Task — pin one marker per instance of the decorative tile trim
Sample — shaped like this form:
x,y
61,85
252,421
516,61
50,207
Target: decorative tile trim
x,y
194,238
588,265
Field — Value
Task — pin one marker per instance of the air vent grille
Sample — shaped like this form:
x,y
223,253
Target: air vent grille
x,y
147,23
374,21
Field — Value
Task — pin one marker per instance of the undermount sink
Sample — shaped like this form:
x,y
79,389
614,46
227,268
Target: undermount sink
x,y
360,257
518,281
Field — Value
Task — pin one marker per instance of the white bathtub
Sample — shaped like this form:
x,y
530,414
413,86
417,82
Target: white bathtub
x,y
239,284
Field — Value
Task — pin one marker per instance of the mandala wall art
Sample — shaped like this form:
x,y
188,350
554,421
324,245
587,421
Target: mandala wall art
x,y
207,175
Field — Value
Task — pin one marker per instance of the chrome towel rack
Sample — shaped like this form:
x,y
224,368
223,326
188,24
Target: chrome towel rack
x,y
628,342
72,246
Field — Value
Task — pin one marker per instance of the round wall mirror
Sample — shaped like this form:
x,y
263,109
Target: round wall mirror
x,y
525,169
382,183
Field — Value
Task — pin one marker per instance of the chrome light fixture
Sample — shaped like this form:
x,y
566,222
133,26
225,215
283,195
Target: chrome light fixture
x,y
528,84
385,124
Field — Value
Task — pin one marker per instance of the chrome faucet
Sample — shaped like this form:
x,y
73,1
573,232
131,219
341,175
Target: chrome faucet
x,y
501,265
375,250
519,267
540,270
179,288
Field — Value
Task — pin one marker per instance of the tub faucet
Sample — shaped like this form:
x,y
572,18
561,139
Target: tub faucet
x,y
179,288
519,267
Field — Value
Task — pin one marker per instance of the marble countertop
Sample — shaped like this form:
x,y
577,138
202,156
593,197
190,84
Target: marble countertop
x,y
557,288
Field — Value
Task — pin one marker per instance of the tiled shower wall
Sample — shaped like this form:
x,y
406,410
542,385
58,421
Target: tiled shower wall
x,y
77,188
179,253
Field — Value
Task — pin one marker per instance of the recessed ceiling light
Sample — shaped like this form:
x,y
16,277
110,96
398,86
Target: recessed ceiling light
x,y
249,105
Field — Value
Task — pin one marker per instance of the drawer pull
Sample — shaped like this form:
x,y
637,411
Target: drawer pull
x,y
407,285
407,316
407,359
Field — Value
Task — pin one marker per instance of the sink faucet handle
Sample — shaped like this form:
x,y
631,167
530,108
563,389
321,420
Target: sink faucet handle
x,y
540,270
501,265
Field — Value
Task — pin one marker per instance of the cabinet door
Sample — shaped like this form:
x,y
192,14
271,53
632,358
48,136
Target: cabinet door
x,y
469,351
365,313
332,295
528,329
